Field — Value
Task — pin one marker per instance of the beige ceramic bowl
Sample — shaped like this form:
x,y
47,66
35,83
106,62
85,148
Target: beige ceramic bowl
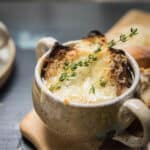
x,y
89,122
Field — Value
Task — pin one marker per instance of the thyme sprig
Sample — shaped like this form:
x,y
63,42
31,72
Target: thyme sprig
x,y
69,69
123,37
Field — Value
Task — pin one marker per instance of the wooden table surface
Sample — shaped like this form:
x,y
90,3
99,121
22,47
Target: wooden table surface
x,y
27,22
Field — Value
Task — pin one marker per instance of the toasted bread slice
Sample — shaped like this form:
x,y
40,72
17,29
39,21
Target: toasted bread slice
x,y
99,74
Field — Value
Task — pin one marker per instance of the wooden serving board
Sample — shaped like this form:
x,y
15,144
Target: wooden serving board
x,y
36,132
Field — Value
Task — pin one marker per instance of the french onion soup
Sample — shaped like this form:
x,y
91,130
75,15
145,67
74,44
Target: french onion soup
x,y
87,71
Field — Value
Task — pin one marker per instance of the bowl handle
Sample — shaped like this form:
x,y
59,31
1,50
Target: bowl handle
x,y
4,35
43,45
142,112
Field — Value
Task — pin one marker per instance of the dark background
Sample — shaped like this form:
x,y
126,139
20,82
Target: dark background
x,y
28,22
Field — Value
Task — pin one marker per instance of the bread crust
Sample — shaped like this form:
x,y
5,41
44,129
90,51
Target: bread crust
x,y
141,54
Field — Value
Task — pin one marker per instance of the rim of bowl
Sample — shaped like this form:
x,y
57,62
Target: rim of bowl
x,y
43,87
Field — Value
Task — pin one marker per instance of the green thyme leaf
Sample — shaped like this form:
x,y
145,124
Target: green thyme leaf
x,y
103,82
86,63
133,32
80,63
111,43
73,74
63,77
92,57
92,89
123,38
97,50
66,63
74,66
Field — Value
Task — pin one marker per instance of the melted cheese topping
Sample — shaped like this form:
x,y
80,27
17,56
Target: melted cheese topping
x,y
78,89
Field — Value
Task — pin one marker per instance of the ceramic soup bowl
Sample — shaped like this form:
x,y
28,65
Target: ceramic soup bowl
x,y
88,122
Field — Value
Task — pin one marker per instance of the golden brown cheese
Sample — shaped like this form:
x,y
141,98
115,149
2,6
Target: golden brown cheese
x,y
103,78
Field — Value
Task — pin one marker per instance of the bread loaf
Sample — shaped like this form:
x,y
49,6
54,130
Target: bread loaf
x,y
141,54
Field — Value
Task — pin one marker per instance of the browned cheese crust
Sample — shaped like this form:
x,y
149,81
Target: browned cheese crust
x,y
121,71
